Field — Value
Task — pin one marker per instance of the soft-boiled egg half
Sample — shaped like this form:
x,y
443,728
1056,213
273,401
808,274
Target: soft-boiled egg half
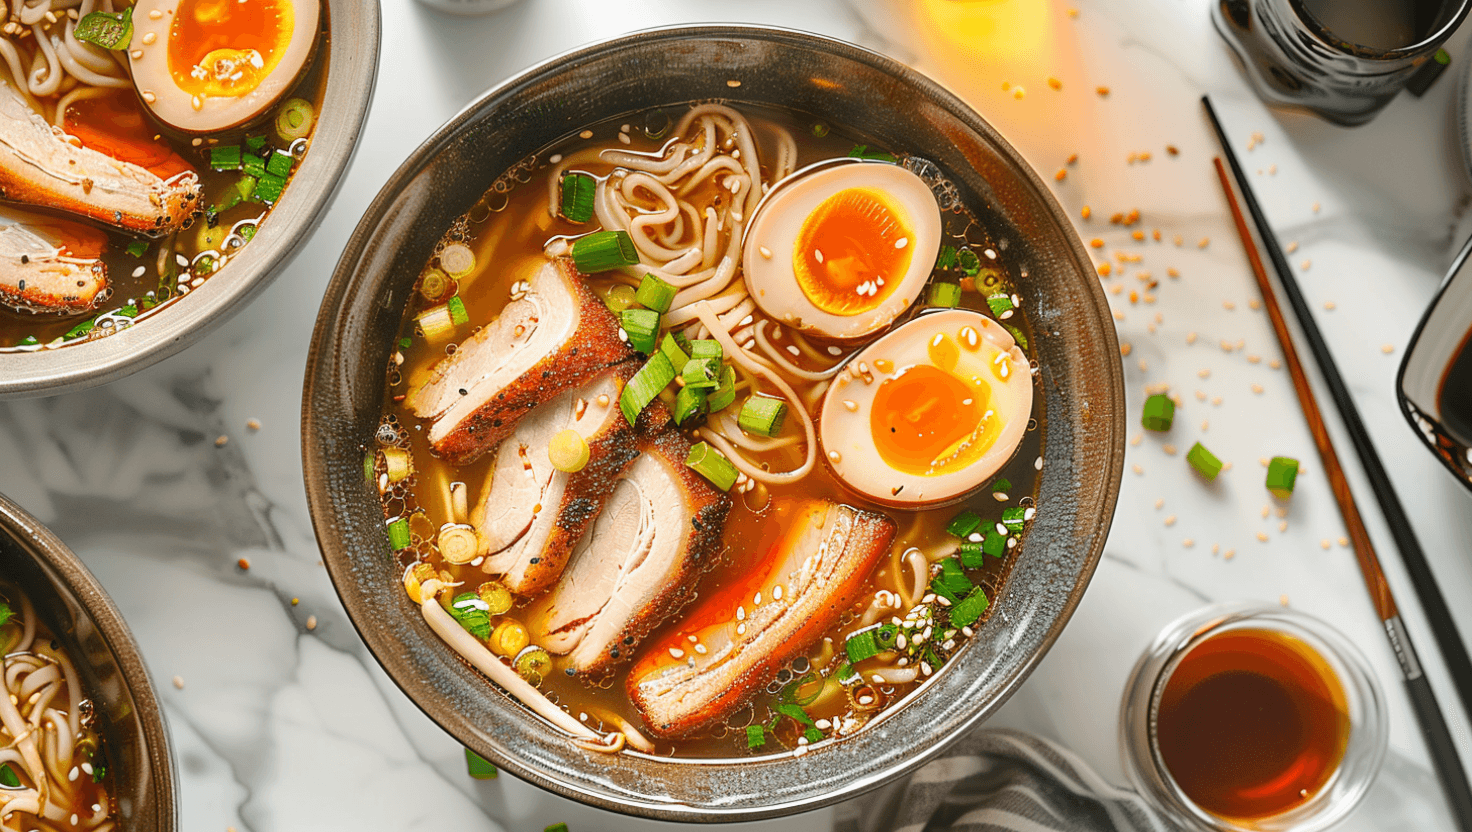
x,y
929,412
842,250
207,65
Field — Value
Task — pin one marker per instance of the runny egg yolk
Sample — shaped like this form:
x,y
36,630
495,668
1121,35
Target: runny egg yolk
x,y
226,48
852,251
928,421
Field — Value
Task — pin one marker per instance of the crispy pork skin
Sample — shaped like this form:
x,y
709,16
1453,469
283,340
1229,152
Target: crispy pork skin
x,y
732,643
556,337
530,515
48,264
637,565
42,165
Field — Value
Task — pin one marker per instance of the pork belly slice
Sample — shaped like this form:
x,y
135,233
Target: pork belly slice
x,y
557,337
530,515
637,566
732,644
48,264
42,165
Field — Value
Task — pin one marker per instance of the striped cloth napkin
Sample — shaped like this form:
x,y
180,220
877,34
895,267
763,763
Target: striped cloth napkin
x,y
998,780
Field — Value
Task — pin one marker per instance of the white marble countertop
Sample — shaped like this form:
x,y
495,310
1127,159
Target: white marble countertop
x,y
281,719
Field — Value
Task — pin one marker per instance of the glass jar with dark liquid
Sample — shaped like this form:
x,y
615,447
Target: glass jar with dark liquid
x,y
1246,717
1341,59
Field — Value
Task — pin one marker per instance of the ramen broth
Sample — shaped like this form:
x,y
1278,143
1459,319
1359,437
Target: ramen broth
x,y
507,231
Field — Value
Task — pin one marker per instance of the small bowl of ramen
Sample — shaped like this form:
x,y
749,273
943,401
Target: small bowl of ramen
x,y
713,423
152,145
83,742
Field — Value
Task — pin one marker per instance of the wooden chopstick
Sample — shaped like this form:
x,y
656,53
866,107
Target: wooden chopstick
x,y
1433,726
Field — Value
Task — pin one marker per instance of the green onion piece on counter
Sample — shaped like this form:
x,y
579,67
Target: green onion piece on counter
x,y
1017,335
437,323
706,348
1014,518
762,415
642,327
294,119
812,735
963,524
398,534
255,143
947,258
861,645
479,767
603,251
138,248
533,663
457,311
655,294
6,613
966,611
8,777
690,404
885,636
279,164
756,736
1204,461
253,165
105,29
556,827
1282,472
225,157
725,392
1159,413
654,376
971,554
945,295
995,544
670,346
704,373
1001,486
713,465
578,190
969,262
795,712
268,188
1000,304
471,612
619,297
951,583
497,597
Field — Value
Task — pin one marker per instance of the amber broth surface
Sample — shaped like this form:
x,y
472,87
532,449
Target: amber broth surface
x,y
507,231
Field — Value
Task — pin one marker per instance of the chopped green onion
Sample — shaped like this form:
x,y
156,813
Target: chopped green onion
x,y
795,712
1002,485
725,392
756,736
497,597
471,612
704,373
1282,472
690,404
5,613
437,323
820,129
248,232
255,143
706,348
1017,335
951,583
602,251
79,330
253,165
8,777
556,827
846,674
792,691
368,464
294,120
1204,461
885,636
713,465
434,284
533,663
861,645
969,262
107,30
947,258
398,534
963,524
642,327
654,376
1014,518
994,544
268,188
28,341
1000,304
129,311
1159,412
245,189
578,190
619,297
655,293
670,346
945,295
812,735
762,415
862,151
971,554
479,767
225,158
279,164
966,611
138,248
405,343
99,771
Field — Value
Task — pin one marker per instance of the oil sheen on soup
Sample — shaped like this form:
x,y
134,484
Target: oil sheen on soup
x,y
711,432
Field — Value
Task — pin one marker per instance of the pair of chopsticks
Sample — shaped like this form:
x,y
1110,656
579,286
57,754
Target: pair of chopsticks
x,y
1433,726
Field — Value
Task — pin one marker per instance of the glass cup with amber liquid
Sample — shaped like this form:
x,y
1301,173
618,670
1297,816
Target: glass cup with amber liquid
x,y
1249,717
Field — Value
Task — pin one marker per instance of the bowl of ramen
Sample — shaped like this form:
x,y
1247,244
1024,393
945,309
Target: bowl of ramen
x,y
150,146
712,423
83,743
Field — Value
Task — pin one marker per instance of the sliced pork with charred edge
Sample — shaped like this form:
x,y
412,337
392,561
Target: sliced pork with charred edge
x,y
42,165
745,633
530,515
49,265
556,337
638,564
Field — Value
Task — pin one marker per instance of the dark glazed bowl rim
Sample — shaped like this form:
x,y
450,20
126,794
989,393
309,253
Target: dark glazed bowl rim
x,y
352,58
696,790
70,577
